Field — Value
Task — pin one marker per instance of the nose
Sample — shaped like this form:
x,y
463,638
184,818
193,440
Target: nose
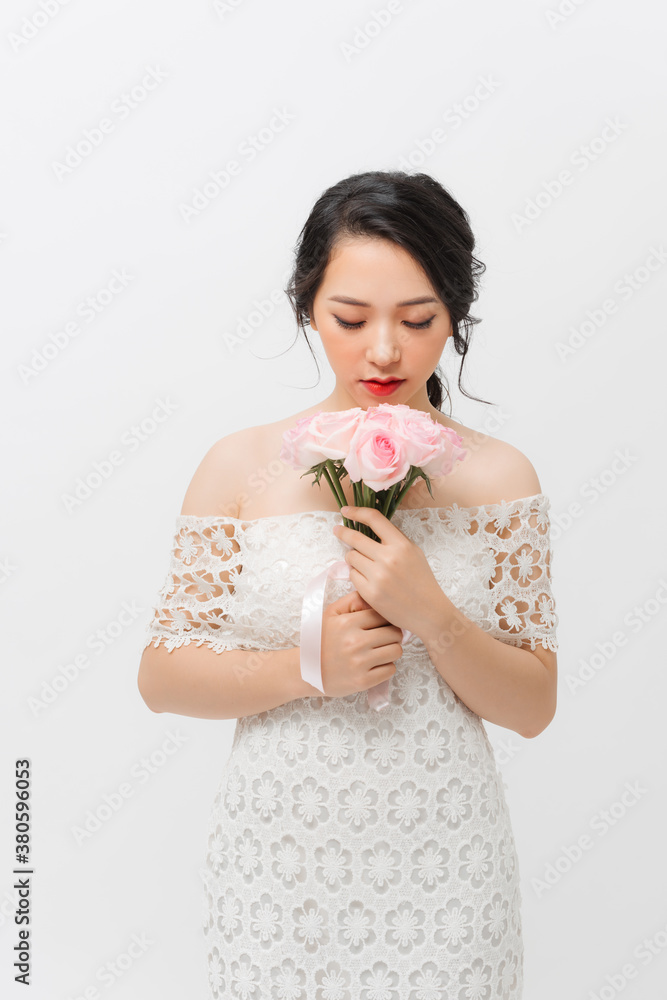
x,y
383,348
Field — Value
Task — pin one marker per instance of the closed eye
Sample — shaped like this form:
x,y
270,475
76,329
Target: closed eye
x,y
355,326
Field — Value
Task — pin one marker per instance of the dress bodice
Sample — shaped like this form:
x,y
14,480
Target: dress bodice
x,y
235,583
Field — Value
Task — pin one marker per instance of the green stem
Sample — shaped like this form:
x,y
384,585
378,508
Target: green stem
x,y
363,491
408,483
331,473
372,502
356,488
387,500
377,505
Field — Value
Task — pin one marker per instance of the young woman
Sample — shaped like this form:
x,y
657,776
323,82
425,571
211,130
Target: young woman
x,y
356,854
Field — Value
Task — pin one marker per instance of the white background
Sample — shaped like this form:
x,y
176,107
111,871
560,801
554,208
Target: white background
x,y
68,570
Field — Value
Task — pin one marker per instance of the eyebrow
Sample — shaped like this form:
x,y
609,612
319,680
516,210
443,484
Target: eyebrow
x,y
357,302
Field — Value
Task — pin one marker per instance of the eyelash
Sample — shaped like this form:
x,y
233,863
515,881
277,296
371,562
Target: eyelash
x,y
413,326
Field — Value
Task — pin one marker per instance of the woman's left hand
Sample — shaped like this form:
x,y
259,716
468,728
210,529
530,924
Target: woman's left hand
x,y
392,575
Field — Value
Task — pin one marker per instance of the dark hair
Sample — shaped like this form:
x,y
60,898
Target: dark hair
x,y
415,212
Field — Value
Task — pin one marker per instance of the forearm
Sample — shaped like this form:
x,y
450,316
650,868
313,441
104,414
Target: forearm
x,y
502,683
199,682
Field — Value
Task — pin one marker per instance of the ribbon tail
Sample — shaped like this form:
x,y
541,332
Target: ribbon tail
x,y
378,696
312,609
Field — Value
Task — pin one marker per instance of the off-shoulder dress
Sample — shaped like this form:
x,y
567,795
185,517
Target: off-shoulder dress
x,y
354,854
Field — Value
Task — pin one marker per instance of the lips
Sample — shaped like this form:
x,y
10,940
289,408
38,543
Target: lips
x,y
384,387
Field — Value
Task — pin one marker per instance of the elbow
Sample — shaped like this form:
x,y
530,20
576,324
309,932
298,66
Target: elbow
x,y
148,701
539,724
146,689
536,728
147,696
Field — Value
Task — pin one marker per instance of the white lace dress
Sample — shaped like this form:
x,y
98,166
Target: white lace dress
x,y
355,854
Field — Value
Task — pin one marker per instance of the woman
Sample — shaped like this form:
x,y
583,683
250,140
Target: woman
x,y
353,853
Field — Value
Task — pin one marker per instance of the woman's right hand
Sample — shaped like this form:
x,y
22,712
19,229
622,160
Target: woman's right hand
x,y
359,647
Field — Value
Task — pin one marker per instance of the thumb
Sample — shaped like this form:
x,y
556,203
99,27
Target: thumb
x,y
348,602
357,603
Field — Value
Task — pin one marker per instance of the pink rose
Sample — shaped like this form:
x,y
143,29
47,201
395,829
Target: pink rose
x,y
392,408
450,453
331,433
429,446
423,434
320,436
297,448
378,451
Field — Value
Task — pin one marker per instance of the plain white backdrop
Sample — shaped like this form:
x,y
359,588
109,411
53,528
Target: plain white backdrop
x,y
143,319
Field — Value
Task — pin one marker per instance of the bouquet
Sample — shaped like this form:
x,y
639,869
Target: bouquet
x,y
383,450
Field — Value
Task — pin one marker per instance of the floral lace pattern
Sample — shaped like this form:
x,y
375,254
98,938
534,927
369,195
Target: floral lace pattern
x,y
355,855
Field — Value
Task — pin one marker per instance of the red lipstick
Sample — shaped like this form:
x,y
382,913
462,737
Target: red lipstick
x,y
384,388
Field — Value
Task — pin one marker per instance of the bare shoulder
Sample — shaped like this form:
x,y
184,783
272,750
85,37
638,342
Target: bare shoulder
x,y
493,470
220,480
236,471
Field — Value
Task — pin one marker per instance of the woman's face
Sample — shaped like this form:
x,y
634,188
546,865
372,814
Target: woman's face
x,y
379,317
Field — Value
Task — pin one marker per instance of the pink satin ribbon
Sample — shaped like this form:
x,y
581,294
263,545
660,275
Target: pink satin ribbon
x,y
311,633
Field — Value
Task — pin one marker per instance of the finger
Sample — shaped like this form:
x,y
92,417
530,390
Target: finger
x,y
361,563
367,617
348,602
354,539
357,603
375,519
385,635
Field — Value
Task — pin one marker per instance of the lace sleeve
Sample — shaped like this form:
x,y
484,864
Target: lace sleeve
x,y
521,608
197,601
